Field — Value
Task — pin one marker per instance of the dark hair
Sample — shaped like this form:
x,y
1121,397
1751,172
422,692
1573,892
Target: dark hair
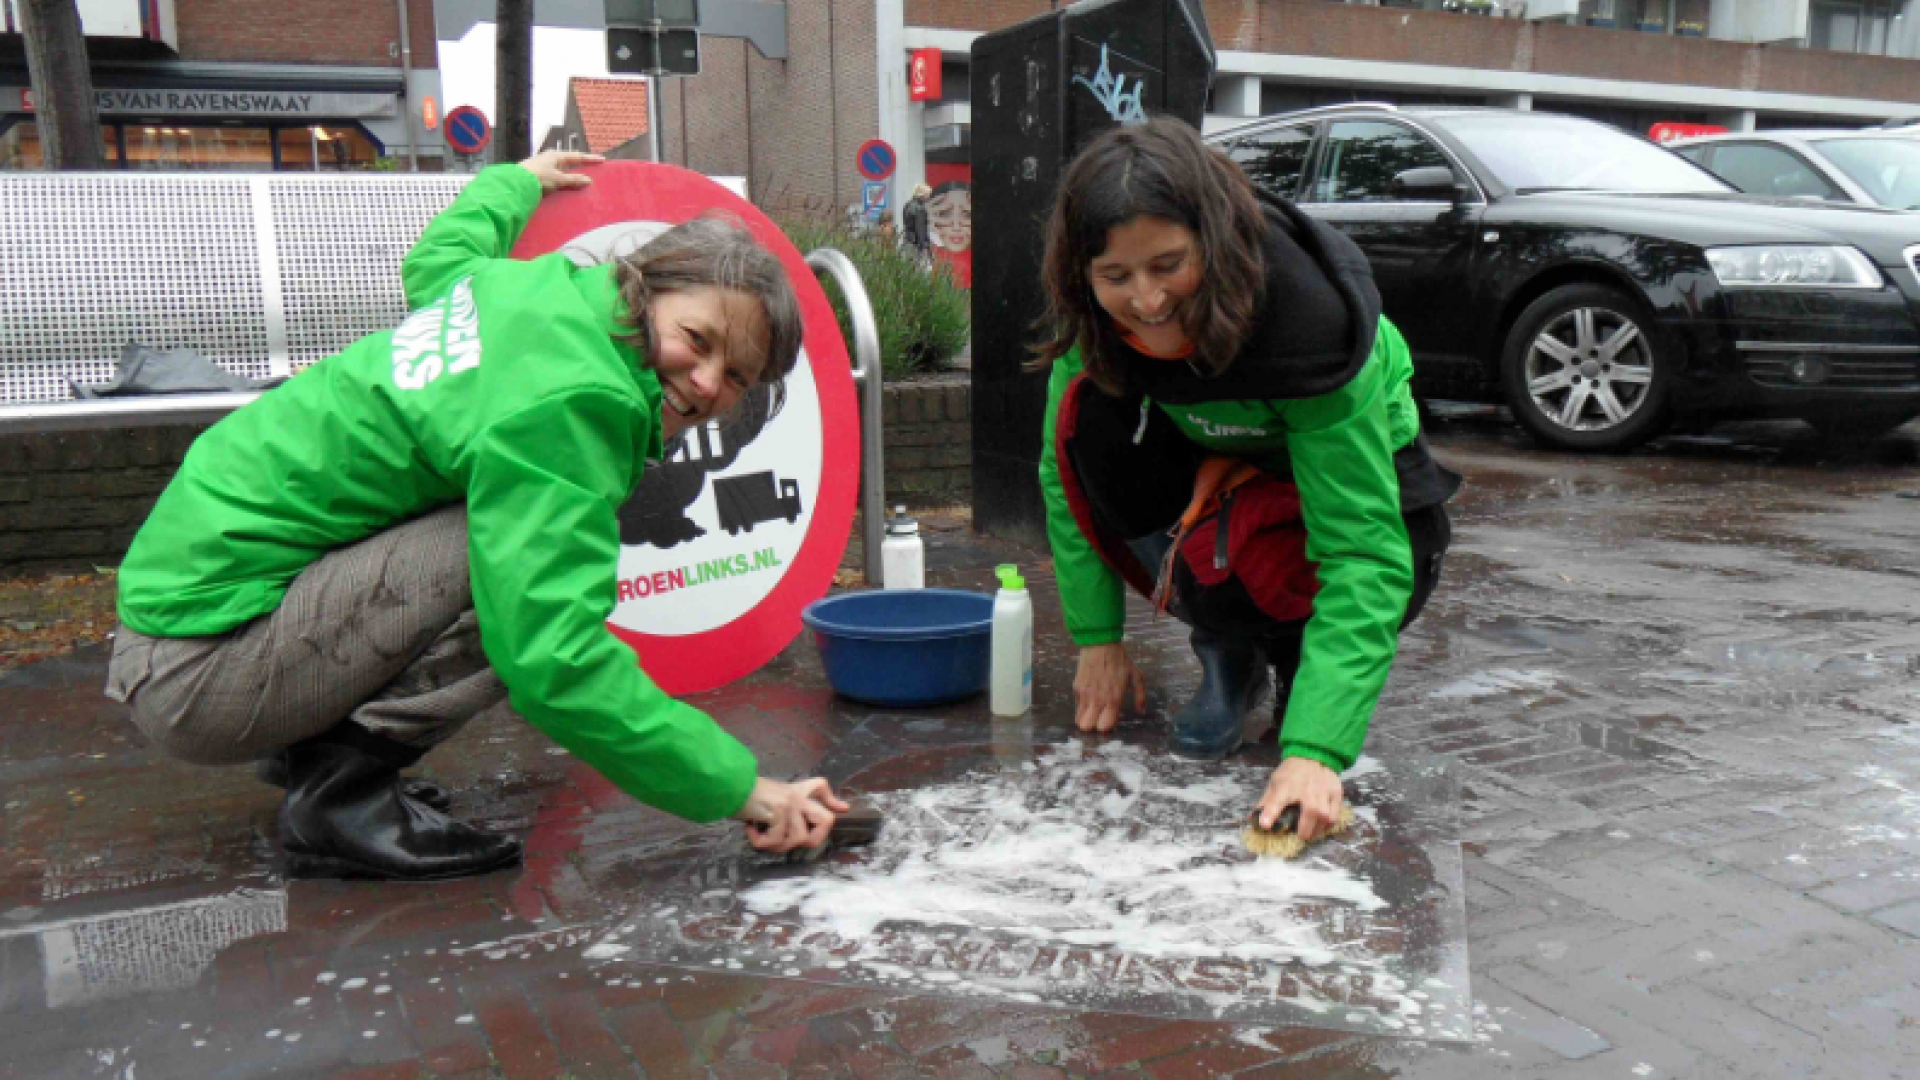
x,y
714,252
1157,169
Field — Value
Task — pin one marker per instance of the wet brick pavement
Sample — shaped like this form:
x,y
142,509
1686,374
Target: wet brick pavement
x,y
1682,689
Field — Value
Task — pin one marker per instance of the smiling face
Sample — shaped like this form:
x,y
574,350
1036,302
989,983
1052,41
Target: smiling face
x,y
709,347
951,213
1150,268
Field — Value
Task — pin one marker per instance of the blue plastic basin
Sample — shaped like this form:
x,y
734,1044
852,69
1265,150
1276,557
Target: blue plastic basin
x,y
904,646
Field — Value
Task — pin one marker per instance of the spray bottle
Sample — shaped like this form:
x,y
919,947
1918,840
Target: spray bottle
x,y
1012,669
903,558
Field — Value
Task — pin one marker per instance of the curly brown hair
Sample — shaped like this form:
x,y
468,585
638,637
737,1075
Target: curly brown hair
x,y
1157,169
715,251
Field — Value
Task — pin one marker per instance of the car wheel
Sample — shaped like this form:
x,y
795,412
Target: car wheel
x,y
1583,370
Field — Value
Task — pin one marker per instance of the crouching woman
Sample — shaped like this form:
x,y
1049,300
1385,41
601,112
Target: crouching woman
x,y
423,525
1230,428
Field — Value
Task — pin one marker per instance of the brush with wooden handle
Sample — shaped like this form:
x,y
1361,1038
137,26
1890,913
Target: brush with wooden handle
x,y
1284,839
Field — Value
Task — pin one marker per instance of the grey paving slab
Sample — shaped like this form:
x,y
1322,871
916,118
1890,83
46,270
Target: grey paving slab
x,y
1870,1011
1902,917
1882,887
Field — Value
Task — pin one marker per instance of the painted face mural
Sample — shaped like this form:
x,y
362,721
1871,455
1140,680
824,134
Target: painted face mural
x,y
950,219
951,210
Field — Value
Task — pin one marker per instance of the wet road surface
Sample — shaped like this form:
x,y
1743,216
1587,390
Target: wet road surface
x,y
1680,691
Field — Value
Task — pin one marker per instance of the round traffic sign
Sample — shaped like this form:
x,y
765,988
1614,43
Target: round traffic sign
x,y
743,524
874,159
467,129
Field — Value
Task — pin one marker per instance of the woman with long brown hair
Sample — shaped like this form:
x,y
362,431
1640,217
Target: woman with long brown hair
x,y
1230,429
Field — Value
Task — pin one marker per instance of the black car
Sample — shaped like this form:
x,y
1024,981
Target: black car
x,y
1599,285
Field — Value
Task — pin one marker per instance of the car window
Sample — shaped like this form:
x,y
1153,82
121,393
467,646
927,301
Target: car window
x,y
1889,169
1544,152
1759,169
1274,159
1362,158
1695,154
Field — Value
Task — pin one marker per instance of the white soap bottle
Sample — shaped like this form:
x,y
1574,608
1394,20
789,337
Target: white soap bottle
x,y
1011,692
903,558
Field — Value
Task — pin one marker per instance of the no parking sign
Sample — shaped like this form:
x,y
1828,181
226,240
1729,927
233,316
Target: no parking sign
x,y
467,130
744,523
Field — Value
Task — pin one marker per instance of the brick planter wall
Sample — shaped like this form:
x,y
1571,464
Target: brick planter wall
x,y
929,443
76,498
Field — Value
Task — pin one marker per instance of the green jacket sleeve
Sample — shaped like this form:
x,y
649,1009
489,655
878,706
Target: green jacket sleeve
x,y
1341,445
544,542
482,224
1091,594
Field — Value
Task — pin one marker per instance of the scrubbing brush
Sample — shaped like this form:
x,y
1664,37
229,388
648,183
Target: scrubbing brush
x,y
858,827
1284,839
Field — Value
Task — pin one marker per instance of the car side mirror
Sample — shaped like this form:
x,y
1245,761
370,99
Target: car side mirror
x,y
1435,183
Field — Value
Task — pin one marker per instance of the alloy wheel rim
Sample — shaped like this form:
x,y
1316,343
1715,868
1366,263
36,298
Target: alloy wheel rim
x,y
1589,369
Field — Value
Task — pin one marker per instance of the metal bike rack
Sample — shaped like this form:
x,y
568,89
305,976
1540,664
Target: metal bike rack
x,y
866,372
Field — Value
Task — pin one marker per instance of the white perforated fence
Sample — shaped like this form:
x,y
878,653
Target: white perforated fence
x,y
263,274
339,242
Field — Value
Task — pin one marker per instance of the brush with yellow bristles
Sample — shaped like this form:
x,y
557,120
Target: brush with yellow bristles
x,y
1284,839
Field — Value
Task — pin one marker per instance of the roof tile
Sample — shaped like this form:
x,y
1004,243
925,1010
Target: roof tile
x,y
612,111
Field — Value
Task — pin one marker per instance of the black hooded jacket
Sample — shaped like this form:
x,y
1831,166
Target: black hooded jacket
x,y
1314,335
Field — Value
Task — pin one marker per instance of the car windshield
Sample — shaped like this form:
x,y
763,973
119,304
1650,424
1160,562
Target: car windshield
x,y
1563,153
1888,168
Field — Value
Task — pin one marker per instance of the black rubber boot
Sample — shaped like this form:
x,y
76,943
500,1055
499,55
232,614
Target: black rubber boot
x,y
272,769
1282,650
344,816
1233,678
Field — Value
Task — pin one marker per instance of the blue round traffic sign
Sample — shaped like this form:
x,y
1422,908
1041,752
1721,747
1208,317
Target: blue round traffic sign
x,y
467,129
874,159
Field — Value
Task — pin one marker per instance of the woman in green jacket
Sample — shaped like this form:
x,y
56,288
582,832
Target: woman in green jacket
x,y
412,530
1199,324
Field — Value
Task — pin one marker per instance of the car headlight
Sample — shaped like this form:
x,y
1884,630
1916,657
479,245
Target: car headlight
x,y
1794,265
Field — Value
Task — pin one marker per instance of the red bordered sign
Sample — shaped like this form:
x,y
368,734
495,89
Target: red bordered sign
x,y
467,129
875,159
774,513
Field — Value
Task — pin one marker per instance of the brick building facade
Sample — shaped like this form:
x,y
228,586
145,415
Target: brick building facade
x,y
339,33
790,126
241,85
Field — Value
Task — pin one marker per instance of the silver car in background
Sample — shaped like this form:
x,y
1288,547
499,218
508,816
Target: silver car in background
x,y
1875,167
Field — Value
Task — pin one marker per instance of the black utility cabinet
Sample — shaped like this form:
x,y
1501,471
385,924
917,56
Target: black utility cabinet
x,y
1041,90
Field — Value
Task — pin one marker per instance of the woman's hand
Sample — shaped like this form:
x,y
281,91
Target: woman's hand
x,y
550,168
1310,785
1100,687
782,816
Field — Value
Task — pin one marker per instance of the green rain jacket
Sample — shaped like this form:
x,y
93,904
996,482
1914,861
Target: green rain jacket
x,y
504,388
1338,446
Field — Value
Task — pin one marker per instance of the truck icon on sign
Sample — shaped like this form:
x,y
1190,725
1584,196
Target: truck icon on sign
x,y
745,501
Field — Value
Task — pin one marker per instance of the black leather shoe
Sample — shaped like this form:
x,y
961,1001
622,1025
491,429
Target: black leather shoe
x,y
272,769
344,816
1233,679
